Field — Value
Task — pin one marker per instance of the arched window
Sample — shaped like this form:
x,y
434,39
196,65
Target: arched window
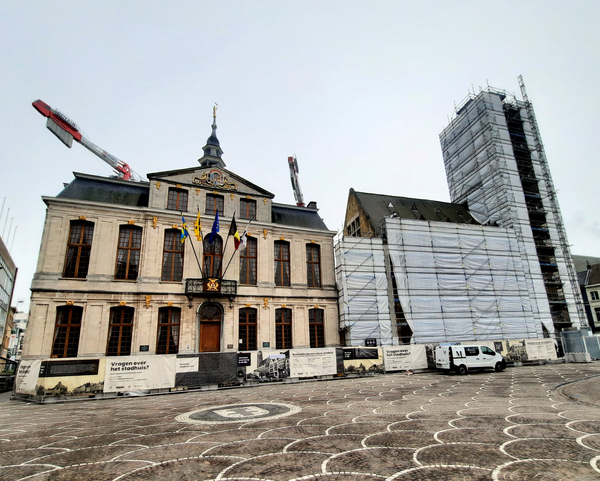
x,y
169,319
316,327
247,329
282,263
128,253
313,265
213,257
78,249
283,328
172,265
120,331
66,331
248,262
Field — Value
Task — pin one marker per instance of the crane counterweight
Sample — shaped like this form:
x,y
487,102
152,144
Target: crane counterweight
x,y
67,130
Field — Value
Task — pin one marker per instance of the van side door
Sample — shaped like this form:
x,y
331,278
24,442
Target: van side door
x,y
472,357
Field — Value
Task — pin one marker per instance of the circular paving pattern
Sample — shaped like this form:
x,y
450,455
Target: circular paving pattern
x,y
534,422
237,413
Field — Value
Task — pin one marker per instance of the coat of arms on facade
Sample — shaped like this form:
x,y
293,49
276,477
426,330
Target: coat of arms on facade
x,y
214,178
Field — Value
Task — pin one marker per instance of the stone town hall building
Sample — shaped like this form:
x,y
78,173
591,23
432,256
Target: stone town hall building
x,y
114,279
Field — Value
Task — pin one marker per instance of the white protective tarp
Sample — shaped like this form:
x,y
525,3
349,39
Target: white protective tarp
x,y
460,283
362,282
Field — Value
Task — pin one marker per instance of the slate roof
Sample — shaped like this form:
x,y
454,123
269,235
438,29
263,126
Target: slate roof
x,y
106,190
296,216
582,261
376,206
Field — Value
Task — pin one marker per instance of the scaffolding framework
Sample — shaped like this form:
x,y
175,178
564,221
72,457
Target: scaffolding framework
x,y
495,162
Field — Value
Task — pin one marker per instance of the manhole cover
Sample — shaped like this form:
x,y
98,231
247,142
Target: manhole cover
x,y
236,413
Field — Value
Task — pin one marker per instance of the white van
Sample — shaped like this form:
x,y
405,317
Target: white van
x,y
463,358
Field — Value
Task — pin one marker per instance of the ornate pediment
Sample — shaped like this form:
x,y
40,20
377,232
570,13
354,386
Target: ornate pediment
x,y
215,178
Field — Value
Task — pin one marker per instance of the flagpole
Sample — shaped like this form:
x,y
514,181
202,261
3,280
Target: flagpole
x,y
193,248
225,248
245,230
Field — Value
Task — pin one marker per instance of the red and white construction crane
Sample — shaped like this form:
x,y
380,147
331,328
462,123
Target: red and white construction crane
x,y
293,164
67,130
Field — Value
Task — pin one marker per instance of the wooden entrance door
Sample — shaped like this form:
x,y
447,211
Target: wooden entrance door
x,y
210,328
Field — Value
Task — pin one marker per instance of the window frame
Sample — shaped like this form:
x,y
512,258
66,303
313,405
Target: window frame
x,y
313,267
218,204
173,254
283,328
177,199
316,326
594,295
210,254
125,330
248,322
282,265
82,250
249,263
248,211
129,250
67,328
169,344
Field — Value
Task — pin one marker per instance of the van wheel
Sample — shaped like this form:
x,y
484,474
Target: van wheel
x,y
499,367
462,370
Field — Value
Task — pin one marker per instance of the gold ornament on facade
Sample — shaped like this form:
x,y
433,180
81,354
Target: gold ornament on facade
x,y
70,303
169,304
316,306
266,302
148,299
248,197
178,186
175,226
265,233
197,191
265,201
157,185
281,238
232,196
122,303
214,178
131,222
313,242
283,306
248,305
82,217
154,222
212,285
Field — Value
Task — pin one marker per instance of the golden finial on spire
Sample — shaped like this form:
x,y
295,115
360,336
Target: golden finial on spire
x,y
215,110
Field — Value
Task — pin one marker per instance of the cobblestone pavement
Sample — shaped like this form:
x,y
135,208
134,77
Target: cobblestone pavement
x,y
524,423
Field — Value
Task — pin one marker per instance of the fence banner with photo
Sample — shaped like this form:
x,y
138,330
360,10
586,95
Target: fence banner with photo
x,y
71,377
403,358
362,360
540,349
139,373
27,376
312,362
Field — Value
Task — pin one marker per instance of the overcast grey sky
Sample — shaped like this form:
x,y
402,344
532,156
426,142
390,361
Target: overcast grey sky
x,y
358,90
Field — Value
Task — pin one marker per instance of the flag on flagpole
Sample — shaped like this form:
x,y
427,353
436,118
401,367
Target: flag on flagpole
x,y
244,237
215,229
198,227
234,232
184,232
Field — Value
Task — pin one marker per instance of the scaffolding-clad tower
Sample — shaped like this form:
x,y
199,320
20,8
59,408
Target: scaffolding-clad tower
x,y
495,162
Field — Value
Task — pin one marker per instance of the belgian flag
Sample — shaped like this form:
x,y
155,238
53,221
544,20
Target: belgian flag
x,y
234,232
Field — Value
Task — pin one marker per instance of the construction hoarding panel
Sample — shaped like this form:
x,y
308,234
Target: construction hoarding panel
x,y
404,358
312,362
139,373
